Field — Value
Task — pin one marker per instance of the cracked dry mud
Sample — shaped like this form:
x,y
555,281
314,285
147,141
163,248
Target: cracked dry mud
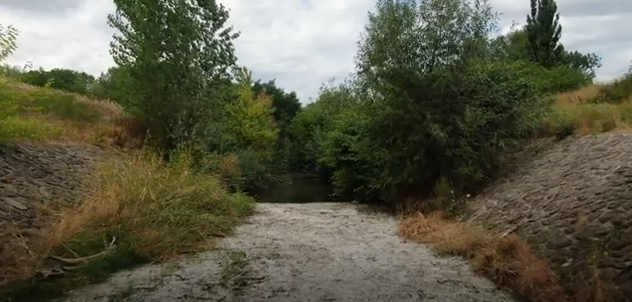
x,y
304,252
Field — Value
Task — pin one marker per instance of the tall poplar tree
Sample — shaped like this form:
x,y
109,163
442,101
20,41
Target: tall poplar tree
x,y
544,33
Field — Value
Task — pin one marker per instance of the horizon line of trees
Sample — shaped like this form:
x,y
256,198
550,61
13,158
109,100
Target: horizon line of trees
x,y
432,107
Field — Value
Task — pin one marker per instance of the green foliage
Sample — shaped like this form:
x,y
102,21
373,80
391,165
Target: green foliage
x,y
8,36
307,128
578,68
250,132
59,78
248,119
544,33
616,92
286,104
585,63
558,79
178,55
433,102
14,72
113,85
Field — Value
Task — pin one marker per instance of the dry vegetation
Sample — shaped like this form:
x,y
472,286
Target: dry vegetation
x,y
504,258
138,208
578,110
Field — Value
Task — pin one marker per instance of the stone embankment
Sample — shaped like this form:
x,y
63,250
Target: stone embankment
x,y
573,203
34,180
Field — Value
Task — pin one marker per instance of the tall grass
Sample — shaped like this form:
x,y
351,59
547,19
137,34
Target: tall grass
x,y
591,110
154,210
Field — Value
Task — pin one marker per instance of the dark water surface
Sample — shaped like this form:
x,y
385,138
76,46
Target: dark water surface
x,y
302,189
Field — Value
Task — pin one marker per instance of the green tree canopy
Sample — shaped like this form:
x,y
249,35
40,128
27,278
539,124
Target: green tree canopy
x,y
286,104
544,33
179,55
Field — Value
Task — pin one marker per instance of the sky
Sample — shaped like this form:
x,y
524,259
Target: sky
x,y
299,43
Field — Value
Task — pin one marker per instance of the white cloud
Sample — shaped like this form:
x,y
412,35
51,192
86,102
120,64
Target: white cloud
x,y
301,43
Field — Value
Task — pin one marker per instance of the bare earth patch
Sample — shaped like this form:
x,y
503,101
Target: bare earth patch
x,y
305,252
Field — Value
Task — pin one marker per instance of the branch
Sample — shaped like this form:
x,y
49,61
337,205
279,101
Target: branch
x,y
87,259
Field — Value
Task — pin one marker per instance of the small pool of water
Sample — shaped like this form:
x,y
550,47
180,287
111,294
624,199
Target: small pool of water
x,y
302,189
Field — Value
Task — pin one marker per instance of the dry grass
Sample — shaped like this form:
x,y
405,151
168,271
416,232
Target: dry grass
x,y
574,112
506,260
155,210
577,97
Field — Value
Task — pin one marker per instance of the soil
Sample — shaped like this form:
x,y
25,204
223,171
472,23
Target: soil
x,y
572,201
305,252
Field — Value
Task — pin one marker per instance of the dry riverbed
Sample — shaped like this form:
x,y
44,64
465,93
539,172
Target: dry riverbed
x,y
304,252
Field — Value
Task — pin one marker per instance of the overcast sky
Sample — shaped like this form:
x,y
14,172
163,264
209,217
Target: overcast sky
x,y
300,43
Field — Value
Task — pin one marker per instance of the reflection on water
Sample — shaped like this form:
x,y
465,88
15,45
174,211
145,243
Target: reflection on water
x,y
302,189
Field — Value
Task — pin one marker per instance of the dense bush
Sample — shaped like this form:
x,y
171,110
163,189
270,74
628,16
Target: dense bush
x,y
59,78
617,91
561,78
433,101
308,127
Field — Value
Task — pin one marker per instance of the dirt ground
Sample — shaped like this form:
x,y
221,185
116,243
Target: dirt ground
x,y
305,252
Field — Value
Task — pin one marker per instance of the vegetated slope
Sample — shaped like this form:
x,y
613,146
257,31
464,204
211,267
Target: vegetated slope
x,y
573,204
75,173
47,152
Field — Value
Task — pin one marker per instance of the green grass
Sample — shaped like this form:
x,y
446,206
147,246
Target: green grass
x,y
36,113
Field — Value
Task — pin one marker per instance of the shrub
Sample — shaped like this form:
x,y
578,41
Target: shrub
x,y
59,78
433,103
617,91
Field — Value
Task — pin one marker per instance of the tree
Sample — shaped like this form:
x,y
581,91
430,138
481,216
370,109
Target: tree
x,y
434,103
286,104
249,117
544,33
586,63
60,78
113,85
515,46
8,37
179,55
